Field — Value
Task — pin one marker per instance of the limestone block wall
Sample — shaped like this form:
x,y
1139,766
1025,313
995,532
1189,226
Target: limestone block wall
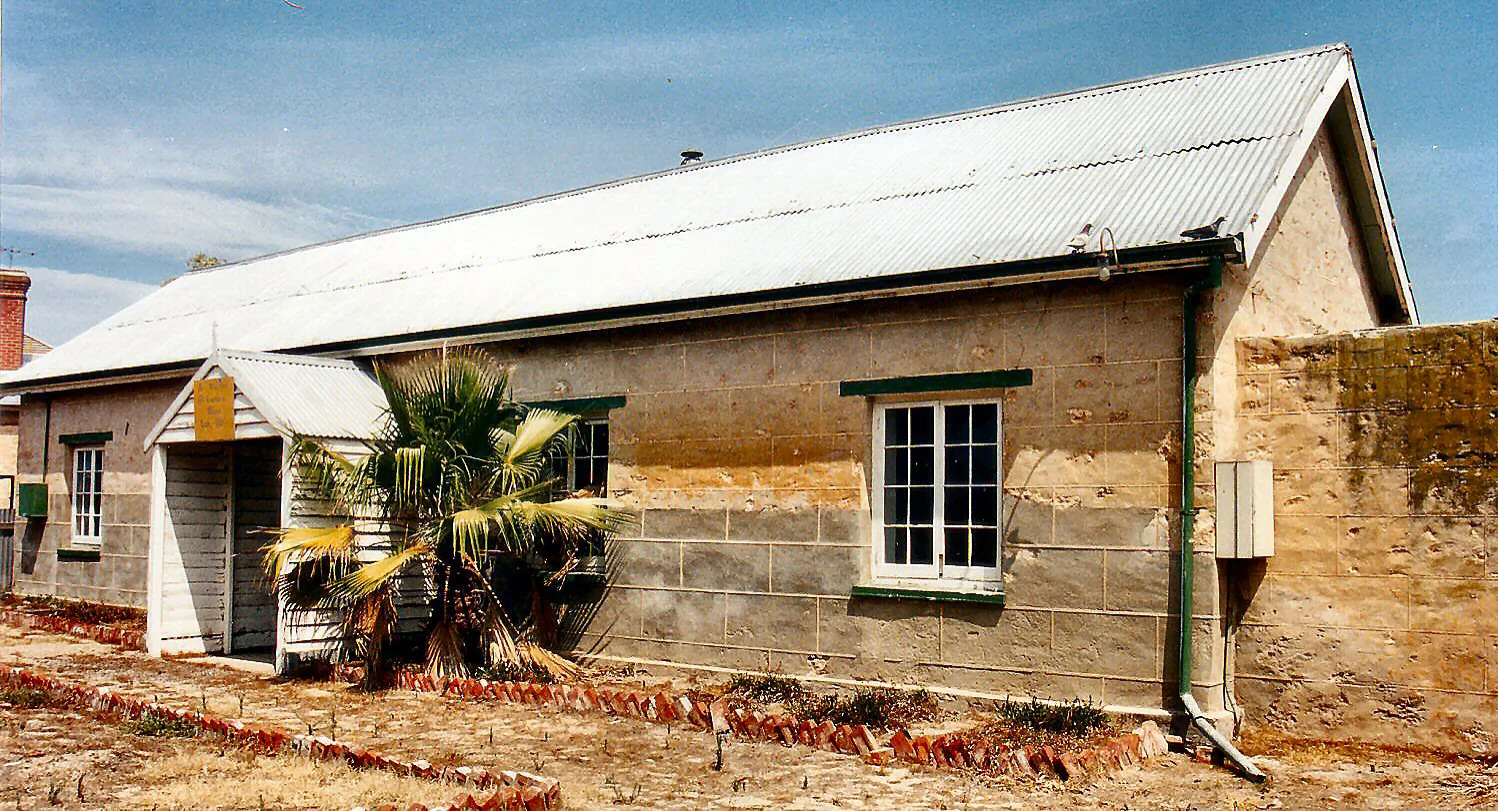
x,y
1377,618
128,412
752,475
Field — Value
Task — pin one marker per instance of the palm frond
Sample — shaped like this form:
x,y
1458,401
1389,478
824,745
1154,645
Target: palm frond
x,y
571,517
526,459
365,580
330,475
410,469
306,543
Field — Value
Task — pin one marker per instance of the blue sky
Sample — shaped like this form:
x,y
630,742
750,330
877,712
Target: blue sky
x,y
138,133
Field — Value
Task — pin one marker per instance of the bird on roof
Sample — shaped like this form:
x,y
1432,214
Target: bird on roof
x,y
1079,242
1204,231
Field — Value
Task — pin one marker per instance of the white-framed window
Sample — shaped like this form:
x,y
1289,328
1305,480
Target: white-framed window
x,y
88,495
937,493
588,474
588,469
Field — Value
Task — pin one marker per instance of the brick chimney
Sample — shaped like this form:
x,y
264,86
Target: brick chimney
x,y
13,287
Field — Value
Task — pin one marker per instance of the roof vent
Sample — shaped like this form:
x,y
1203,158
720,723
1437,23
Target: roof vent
x,y
691,156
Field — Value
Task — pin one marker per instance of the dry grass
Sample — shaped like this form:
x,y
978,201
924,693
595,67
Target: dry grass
x,y
602,762
56,758
198,779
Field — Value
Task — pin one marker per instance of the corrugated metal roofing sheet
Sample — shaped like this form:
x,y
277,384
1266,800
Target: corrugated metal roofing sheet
x,y
314,397
1146,159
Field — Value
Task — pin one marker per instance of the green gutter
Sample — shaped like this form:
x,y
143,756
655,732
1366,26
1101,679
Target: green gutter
x,y
1187,568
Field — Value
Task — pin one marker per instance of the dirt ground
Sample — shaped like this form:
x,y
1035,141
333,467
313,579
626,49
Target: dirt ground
x,y
602,762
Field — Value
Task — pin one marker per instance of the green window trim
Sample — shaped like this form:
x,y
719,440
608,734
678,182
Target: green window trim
x,y
78,554
925,384
928,595
582,405
86,438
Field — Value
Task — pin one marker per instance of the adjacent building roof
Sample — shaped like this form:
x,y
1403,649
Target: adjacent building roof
x,y
33,347
1145,158
285,395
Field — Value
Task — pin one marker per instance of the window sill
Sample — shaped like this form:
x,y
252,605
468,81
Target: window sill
x,y
78,553
929,594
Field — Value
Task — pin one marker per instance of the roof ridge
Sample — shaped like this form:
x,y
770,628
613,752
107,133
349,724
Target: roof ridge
x,y
976,112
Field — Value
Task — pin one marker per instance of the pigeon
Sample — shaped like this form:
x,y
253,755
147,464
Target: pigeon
x,y
1079,242
1204,231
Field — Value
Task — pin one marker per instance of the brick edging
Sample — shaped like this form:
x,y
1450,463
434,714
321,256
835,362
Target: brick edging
x,y
516,790
108,634
952,750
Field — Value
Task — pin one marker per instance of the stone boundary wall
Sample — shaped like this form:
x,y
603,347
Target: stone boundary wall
x,y
512,790
1377,617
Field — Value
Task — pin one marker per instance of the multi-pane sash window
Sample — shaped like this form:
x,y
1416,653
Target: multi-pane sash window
x,y
88,495
590,458
936,511
588,472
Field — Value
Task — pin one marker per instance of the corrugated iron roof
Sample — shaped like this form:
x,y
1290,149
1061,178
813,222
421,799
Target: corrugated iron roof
x,y
1146,158
315,397
298,395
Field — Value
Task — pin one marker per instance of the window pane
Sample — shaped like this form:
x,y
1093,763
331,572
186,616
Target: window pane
x,y
921,506
920,546
985,506
957,465
956,547
921,467
920,426
895,432
901,512
954,508
985,464
985,547
896,464
986,423
894,545
600,439
957,424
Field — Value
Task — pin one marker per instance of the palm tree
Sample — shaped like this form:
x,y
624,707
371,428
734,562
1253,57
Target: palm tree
x,y
460,480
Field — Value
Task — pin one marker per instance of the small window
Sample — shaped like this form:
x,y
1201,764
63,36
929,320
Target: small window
x,y
88,495
589,468
938,489
587,475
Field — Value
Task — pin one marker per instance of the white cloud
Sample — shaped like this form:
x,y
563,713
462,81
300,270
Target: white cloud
x,y
63,303
153,219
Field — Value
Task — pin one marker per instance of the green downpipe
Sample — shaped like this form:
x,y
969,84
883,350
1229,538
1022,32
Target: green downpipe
x,y
1187,573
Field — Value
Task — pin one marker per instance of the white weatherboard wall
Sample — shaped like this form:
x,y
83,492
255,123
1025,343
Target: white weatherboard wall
x,y
316,634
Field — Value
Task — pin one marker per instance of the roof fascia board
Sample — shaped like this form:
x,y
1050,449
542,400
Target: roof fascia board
x,y
1367,155
1343,79
1269,207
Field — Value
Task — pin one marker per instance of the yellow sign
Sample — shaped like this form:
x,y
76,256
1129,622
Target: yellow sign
x,y
213,409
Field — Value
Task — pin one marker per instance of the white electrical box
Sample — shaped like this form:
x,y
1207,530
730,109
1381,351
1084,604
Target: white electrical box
x,y
1245,509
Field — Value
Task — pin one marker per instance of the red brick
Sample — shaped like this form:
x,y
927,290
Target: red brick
x,y
900,742
719,712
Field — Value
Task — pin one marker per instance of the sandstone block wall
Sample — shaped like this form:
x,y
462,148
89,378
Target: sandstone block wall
x,y
129,412
1377,618
752,475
